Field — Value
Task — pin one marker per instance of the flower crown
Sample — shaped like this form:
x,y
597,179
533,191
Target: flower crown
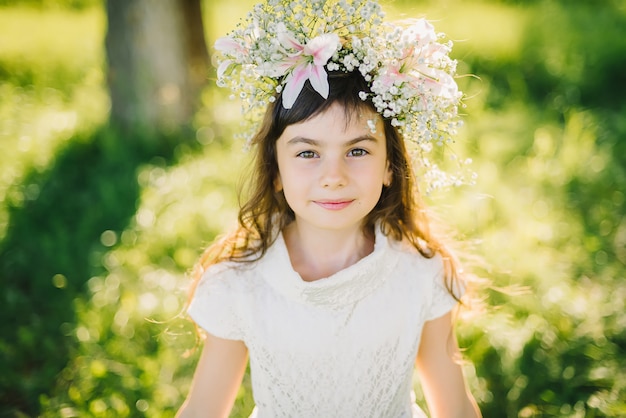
x,y
284,43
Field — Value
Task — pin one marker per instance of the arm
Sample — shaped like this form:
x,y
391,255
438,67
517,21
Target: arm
x,y
216,379
442,378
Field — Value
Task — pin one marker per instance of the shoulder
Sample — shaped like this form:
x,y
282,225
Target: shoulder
x,y
431,275
245,272
221,301
228,275
412,258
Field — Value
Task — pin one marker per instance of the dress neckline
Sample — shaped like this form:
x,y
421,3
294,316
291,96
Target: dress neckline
x,y
338,290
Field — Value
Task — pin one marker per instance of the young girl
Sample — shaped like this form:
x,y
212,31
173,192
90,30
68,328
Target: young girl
x,y
333,284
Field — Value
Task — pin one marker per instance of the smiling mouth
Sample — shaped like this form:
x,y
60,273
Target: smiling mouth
x,y
333,204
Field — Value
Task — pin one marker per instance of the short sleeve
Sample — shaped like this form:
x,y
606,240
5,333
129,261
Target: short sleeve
x,y
217,304
441,300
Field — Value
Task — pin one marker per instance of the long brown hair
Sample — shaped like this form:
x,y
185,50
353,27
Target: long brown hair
x,y
400,210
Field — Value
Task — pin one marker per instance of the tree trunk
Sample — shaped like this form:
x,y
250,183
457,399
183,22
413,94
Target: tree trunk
x,y
157,60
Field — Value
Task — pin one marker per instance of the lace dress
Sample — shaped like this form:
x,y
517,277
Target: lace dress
x,y
342,346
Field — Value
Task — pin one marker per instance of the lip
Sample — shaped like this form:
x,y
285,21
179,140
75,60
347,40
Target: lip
x,y
333,204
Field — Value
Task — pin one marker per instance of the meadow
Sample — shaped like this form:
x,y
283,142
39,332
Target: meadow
x,y
98,234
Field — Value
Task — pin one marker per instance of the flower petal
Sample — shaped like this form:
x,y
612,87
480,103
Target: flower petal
x,y
221,69
319,80
293,86
421,31
277,69
322,47
441,84
286,38
227,45
449,88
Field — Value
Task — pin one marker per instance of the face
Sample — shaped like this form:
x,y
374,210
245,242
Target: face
x,y
331,169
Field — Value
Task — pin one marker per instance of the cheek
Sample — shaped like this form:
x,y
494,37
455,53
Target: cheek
x,y
376,172
290,184
289,179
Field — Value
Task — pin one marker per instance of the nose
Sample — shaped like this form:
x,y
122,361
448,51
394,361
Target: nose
x,y
334,173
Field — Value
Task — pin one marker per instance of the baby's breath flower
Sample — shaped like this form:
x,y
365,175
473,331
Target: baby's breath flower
x,y
372,125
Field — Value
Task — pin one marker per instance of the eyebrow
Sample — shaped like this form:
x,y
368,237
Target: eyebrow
x,y
304,140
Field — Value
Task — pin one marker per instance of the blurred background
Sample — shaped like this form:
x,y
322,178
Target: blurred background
x,y
118,166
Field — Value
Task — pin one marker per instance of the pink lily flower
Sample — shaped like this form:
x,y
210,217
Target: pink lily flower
x,y
415,67
228,47
421,31
307,63
409,70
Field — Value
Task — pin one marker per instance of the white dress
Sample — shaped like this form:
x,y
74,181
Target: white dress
x,y
342,346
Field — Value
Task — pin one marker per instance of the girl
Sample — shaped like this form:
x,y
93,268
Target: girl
x,y
333,284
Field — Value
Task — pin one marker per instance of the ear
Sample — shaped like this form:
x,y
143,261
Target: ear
x,y
388,176
278,183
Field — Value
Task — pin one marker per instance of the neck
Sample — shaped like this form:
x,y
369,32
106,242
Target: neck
x,y
316,254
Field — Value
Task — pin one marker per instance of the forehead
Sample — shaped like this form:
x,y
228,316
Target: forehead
x,y
339,121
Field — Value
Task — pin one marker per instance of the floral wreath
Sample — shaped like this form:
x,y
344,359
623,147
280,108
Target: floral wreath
x,y
284,43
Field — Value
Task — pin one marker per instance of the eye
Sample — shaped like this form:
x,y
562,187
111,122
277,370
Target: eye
x,y
306,154
357,152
